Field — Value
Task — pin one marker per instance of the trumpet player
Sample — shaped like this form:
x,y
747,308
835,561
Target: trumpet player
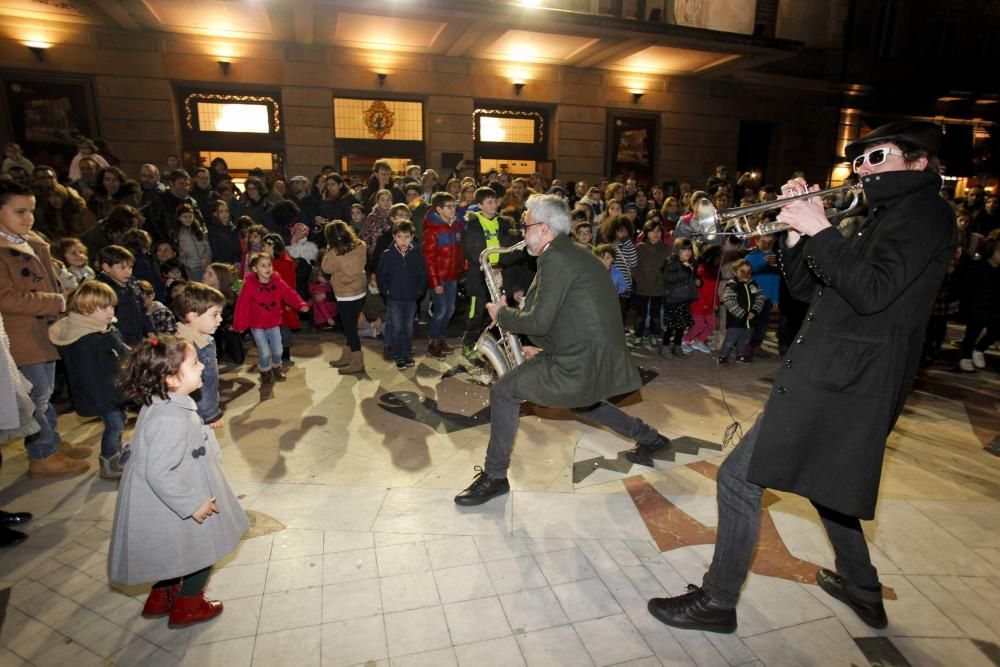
x,y
579,359
844,380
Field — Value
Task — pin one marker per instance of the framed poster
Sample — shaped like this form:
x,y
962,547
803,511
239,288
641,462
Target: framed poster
x,y
632,146
48,114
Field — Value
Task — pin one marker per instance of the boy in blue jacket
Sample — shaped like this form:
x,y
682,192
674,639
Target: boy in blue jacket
x,y
198,308
402,280
92,349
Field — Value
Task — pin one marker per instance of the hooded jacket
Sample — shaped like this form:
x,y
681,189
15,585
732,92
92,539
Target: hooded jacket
x,y
260,305
92,352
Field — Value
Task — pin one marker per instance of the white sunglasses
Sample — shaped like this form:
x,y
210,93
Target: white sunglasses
x,y
876,157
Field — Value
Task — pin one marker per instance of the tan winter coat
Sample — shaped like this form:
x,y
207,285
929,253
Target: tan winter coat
x,y
347,272
30,299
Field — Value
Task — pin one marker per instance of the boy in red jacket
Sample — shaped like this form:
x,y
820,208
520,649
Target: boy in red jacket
x,y
259,307
442,246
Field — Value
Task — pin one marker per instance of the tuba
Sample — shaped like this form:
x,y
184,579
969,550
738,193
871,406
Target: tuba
x,y
502,352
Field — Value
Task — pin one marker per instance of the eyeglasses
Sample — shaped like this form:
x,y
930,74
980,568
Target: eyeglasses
x,y
876,157
524,227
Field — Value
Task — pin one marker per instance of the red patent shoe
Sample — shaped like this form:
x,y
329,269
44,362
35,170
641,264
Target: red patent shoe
x,y
193,609
160,601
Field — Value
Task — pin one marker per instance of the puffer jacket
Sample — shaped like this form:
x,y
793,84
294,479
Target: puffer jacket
x,y
442,249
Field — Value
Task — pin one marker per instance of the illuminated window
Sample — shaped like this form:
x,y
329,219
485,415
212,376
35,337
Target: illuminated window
x,y
378,119
239,114
215,117
509,126
510,130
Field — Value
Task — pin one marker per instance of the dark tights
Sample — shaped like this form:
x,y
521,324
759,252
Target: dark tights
x,y
191,584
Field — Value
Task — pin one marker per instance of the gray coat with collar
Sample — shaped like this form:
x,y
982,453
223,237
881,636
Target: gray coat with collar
x,y
154,536
844,380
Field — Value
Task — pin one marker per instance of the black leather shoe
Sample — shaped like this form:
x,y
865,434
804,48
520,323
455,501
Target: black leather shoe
x,y
9,538
483,488
693,611
871,612
14,518
643,454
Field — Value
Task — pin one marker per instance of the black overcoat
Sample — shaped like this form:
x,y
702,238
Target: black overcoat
x,y
843,382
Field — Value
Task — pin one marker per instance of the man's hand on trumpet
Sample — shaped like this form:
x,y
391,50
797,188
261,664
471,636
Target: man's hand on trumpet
x,y
806,217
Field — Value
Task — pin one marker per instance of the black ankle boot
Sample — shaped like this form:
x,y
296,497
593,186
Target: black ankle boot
x,y
871,611
643,454
693,611
483,488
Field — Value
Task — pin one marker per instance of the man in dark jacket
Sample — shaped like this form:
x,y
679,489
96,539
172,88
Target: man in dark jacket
x,y
381,179
844,380
161,216
571,313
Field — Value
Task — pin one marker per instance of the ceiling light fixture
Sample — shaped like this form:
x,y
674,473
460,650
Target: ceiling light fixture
x,y
636,96
518,85
38,49
381,78
224,66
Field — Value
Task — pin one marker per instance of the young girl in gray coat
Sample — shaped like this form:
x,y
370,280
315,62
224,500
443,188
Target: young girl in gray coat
x,y
176,516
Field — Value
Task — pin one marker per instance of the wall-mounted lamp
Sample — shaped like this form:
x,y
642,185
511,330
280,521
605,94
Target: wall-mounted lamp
x,y
518,85
38,49
224,66
636,97
381,78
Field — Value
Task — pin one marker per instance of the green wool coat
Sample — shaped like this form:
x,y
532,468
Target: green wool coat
x,y
571,312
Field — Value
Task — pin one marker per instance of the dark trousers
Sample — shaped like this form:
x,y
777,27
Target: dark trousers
x,y
349,311
739,527
475,316
673,336
505,412
972,341
761,324
191,584
647,306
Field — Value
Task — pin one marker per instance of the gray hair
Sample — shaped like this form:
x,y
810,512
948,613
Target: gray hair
x,y
551,211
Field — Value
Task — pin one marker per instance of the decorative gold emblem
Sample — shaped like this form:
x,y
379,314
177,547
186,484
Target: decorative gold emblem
x,y
378,119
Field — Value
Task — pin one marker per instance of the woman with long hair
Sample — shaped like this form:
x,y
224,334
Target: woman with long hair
x,y
345,262
113,188
62,212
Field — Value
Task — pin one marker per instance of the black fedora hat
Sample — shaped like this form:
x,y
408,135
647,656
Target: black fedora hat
x,y
918,133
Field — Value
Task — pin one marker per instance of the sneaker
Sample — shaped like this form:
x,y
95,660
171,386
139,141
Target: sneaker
x,y
701,347
978,359
744,359
693,611
723,361
469,352
643,454
401,364
967,366
112,467
484,487
686,347
871,611
410,363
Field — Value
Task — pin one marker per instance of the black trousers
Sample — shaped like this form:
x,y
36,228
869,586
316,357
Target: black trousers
x,y
349,311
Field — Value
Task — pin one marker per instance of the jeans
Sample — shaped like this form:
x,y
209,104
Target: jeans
x,y
761,324
739,527
444,308
42,378
349,311
738,337
268,342
647,305
972,341
401,325
505,412
114,427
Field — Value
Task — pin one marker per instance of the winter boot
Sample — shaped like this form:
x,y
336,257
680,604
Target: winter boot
x,y
266,378
345,358
357,364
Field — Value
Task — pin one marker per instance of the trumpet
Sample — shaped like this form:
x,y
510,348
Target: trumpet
x,y
710,222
